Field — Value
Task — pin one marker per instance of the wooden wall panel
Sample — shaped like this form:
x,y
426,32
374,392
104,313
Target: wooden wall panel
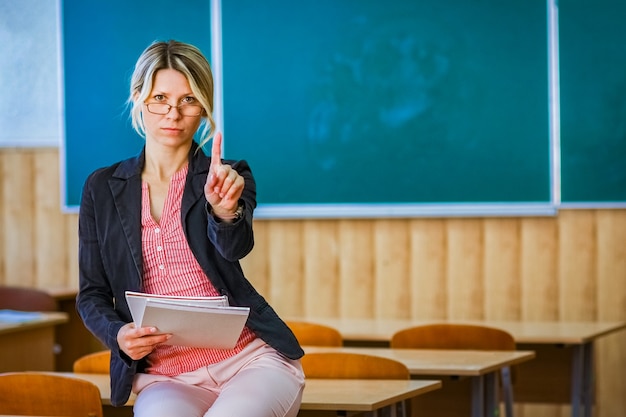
x,y
321,267
285,257
611,264
18,175
577,265
70,275
465,269
428,286
568,267
502,269
391,269
49,222
538,269
256,264
356,268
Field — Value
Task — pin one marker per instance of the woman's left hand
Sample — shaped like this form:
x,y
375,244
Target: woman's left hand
x,y
224,185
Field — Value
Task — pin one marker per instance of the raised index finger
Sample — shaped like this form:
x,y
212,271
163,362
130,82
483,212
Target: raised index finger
x,y
216,152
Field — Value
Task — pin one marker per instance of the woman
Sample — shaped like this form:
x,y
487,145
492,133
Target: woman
x,y
172,221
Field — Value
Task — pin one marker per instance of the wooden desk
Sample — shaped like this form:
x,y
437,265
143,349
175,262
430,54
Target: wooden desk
x,y
563,371
29,346
481,367
337,395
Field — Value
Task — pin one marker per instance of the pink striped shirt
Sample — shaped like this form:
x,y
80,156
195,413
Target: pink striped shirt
x,y
171,269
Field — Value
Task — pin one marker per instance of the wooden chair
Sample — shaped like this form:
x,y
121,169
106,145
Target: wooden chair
x,y
314,334
26,299
343,365
45,394
93,363
460,336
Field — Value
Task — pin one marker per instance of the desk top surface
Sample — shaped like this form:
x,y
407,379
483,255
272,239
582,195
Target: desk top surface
x,y
32,321
554,332
322,394
441,362
361,395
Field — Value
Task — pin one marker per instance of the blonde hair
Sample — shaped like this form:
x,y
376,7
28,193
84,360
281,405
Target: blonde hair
x,y
181,57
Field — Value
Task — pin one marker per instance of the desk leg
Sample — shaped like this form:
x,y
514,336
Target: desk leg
x,y
507,387
492,404
577,379
582,380
588,379
478,396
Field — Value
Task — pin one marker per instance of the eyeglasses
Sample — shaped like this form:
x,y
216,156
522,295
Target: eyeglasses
x,y
183,109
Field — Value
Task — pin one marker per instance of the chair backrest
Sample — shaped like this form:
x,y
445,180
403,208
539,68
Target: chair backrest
x,y
93,363
314,334
461,336
344,365
453,336
44,394
26,299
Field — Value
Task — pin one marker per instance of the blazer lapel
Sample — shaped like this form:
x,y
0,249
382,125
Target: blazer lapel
x,y
125,187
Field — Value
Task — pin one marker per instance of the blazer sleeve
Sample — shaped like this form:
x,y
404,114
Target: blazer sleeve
x,y
235,240
95,300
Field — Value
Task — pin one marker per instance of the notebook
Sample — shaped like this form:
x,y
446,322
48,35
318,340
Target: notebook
x,y
207,322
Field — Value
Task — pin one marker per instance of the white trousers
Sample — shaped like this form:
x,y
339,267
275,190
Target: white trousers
x,y
257,382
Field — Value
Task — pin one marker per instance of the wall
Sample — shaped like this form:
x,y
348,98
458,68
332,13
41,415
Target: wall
x,y
568,267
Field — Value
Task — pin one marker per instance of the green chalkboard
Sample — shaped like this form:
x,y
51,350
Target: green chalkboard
x,y
336,102
365,101
593,101
101,41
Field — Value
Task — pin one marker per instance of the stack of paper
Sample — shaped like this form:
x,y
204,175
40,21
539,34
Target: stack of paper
x,y
193,321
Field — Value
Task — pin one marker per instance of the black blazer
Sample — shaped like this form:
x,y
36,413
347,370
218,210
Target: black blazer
x,y
110,257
